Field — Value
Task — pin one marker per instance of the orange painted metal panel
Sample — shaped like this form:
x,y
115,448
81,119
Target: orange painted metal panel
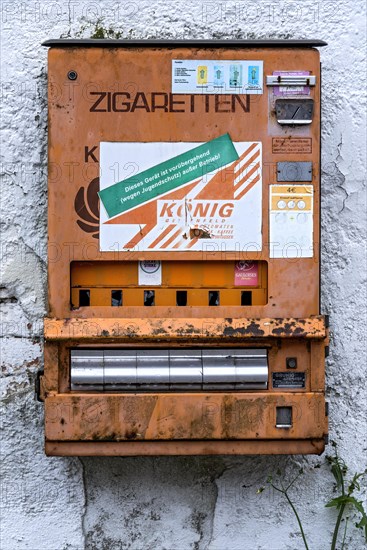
x,y
114,99
179,448
76,130
179,329
103,417
174,274
99,278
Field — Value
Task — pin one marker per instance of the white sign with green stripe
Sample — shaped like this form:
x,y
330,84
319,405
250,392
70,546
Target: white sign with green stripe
x,y
180,196
168,175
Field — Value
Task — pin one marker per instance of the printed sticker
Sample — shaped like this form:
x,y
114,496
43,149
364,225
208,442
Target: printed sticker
x,y
291,221
202,74
246,273
235,76
191,76
219,75
253,75
291,90
150,273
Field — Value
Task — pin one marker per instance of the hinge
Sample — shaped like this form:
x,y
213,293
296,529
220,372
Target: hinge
x,y
37,385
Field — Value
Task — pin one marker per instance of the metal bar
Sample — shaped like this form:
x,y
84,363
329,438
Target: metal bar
x,y
87,369
113,43
185,448
292,121
187,370
290,80
183,329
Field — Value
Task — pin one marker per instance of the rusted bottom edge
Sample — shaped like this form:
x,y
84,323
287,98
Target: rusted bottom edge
x,y
182,448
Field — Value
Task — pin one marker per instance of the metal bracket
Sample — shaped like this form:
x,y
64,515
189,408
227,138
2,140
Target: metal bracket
x,y
37,385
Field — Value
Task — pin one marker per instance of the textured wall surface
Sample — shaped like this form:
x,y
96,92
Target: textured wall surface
x,y
174,503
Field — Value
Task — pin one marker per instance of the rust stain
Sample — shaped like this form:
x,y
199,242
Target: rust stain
x,y
81,329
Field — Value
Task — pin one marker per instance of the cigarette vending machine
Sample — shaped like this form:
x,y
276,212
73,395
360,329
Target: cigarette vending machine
x,y
184,259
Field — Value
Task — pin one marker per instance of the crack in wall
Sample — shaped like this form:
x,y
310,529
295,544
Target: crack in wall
x,y
68,34
214,507
342,178
86,503
333,172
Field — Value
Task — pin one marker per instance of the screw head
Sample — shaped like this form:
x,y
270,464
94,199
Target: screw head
x,y
291,362
72,75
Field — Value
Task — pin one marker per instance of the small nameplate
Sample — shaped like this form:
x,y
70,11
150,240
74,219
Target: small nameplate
x,y
289,379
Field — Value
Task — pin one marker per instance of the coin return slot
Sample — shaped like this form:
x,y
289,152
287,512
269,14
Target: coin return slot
x,y
149,297
246,298
213,297
116,298
84,298
181,298
284,417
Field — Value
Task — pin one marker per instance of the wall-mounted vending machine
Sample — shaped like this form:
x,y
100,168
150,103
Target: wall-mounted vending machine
x,y
184,259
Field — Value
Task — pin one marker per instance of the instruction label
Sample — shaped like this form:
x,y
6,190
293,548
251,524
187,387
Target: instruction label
x,y
291,221
191,76
292,145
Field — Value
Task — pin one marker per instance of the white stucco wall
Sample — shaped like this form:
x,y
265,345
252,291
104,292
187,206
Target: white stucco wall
x,y
174,503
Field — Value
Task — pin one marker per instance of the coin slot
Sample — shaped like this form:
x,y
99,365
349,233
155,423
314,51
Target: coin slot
x,y
84,298
149,297
181,298
294,111
116,298
213,297
246,298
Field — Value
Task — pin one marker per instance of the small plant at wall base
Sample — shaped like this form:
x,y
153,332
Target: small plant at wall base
x,y
343,503
284,491
339,470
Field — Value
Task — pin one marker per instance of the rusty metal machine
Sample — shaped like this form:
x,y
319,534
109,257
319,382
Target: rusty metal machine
x,y
184,231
